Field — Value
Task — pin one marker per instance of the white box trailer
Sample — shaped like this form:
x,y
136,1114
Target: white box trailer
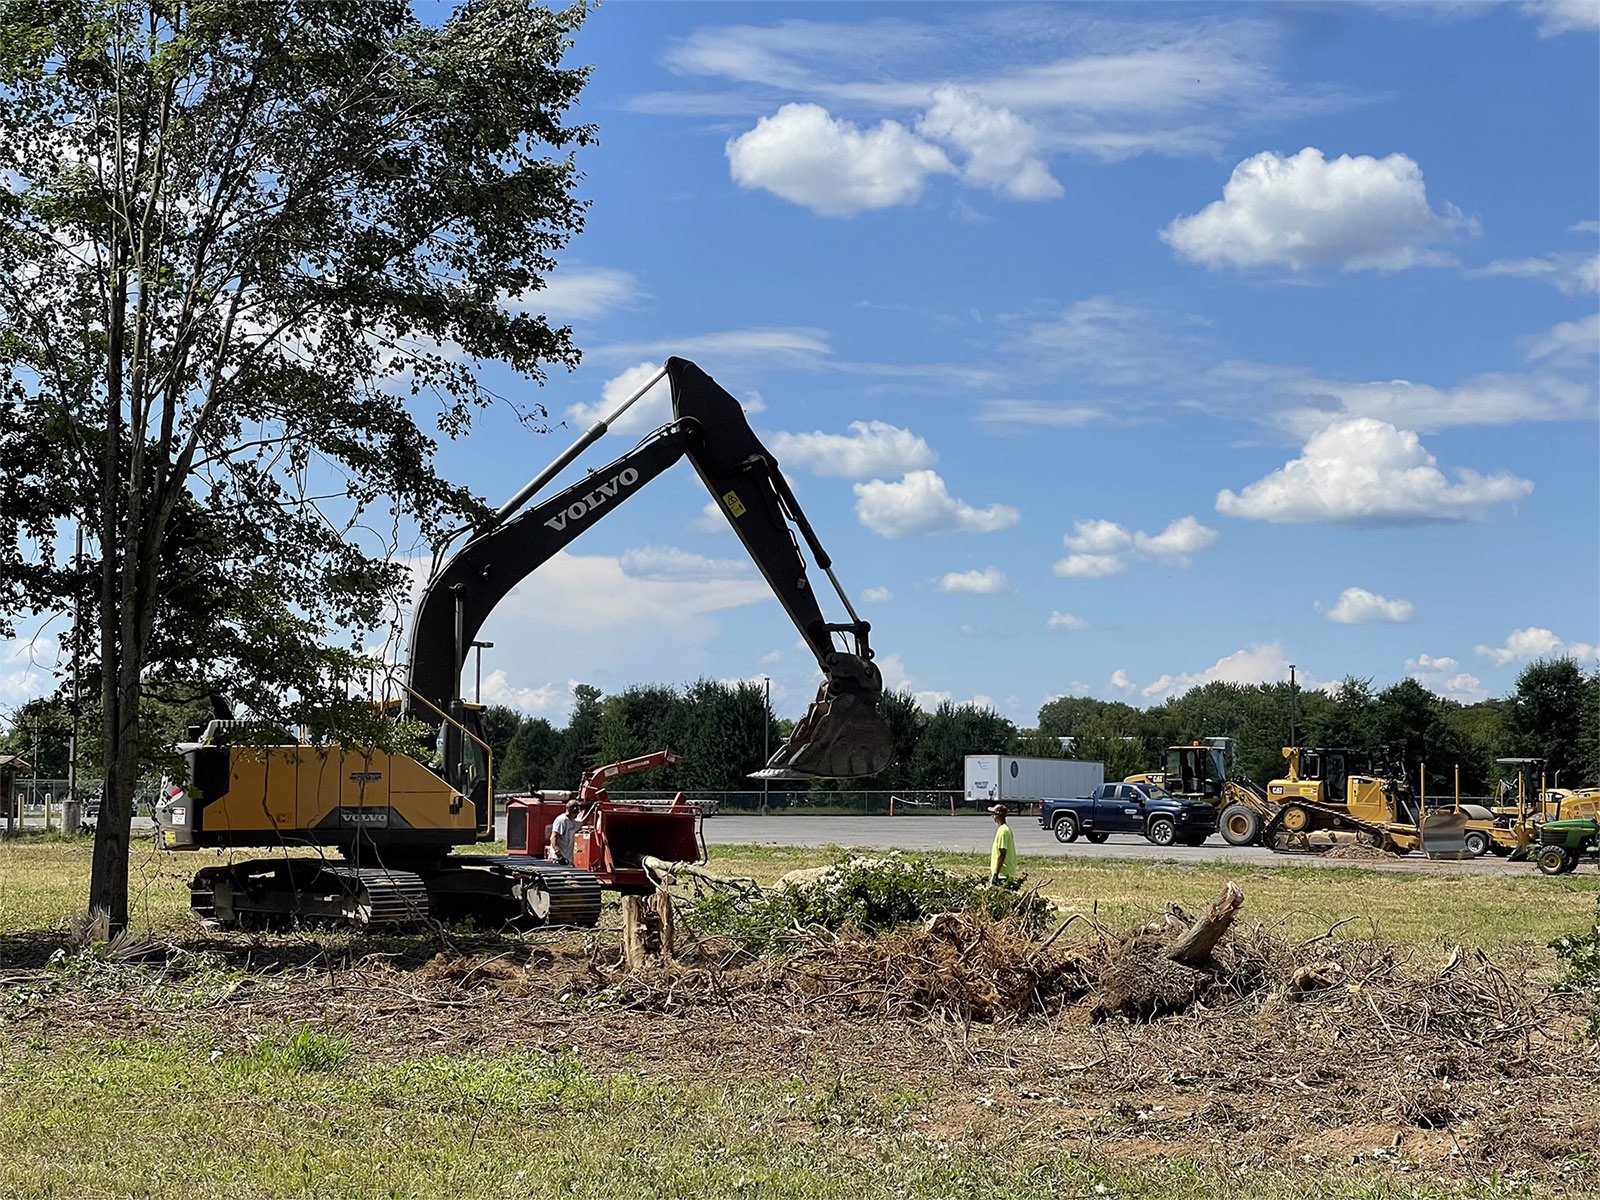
x,y
1007,779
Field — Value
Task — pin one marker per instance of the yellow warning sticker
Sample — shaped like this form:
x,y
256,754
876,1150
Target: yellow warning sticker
x,y
731,499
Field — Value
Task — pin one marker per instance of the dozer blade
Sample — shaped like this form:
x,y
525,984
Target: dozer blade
x,y
842,736
1444,835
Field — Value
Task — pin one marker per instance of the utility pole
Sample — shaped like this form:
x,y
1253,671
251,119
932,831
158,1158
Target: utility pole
x,y
766,737
1294,706
477,687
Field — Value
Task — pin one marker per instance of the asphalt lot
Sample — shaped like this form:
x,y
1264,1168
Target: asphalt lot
x,y
975,834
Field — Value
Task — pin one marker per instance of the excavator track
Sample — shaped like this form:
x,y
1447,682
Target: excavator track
x,y
276,893
544,893
493,890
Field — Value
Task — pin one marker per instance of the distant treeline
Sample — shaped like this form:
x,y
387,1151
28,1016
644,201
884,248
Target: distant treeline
x,y
724,732
1554,713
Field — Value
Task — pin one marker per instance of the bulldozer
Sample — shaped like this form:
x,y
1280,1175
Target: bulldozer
x,y
1320,804
376,832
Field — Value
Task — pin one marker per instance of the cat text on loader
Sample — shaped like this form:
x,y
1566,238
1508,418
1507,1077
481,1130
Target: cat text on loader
x,y
394,819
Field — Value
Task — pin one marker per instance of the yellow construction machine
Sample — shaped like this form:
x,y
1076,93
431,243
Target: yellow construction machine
x,y
1203,770
1510,826
393,820
1320,804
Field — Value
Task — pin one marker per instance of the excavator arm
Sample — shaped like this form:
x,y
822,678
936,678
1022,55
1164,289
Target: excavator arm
x,y
842,735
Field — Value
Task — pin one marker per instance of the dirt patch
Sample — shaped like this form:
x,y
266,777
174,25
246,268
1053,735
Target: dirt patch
x,y
1360,852
1348,1054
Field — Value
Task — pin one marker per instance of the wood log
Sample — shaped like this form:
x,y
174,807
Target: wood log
x,y
1195,945
666,924
635,951
665,872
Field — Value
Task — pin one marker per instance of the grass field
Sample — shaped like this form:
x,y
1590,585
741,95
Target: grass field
x,y
43,883
138,1080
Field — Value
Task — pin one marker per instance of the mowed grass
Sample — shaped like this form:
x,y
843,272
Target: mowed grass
x,y
300,1115
44,884
1519,907
305,1112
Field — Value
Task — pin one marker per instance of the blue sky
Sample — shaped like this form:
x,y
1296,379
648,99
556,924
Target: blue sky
x,y
1110,349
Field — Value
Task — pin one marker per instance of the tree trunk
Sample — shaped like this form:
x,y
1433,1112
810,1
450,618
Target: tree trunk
x,y
1195,946
108,875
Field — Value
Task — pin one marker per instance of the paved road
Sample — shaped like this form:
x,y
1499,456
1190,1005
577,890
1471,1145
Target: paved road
x,y
974,834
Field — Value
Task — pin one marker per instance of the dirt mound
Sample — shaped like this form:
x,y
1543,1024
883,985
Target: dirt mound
x,y
1360,852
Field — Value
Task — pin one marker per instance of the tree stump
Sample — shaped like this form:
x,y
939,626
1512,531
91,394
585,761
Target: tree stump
x,y
649,929
1194,947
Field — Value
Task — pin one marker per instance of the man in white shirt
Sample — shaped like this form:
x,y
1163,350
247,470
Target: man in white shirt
x,y
563,833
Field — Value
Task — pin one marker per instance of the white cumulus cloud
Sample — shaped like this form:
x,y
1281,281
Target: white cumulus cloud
x,y
921,504
1259,664
1563,16
1303,210
1570,273
877,595
1444,676
1103,548
669,562
1525,645
870,448
1366,472
1567,342
1065,620
576,294
990,581
999,145
835,169
1357,606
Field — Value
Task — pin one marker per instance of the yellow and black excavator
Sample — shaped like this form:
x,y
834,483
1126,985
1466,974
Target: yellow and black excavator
x,y
393,819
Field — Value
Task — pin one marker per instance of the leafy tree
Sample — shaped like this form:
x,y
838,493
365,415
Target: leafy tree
x,y
232,237
530,761
638,721
1122,756
906,722
952,732
1553,717
580,745
725,732
500,725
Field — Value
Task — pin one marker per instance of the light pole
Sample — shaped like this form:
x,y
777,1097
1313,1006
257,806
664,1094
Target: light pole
x,y
766,737
477,686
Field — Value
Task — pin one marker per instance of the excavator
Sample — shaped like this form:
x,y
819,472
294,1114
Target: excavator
x,y
386,825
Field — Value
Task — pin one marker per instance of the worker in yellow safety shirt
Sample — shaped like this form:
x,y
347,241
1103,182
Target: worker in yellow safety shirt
x,y
1003,855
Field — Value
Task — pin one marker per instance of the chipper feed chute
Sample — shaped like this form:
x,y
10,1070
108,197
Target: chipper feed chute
x,y
1444,835
841,736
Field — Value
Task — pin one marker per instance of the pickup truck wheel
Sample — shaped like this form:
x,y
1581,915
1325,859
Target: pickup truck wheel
x,y
1162,831
1477,842
1066,827
1240,824
1097,838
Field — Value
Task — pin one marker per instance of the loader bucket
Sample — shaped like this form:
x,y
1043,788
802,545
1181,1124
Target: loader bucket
x,y
1444,835
842,736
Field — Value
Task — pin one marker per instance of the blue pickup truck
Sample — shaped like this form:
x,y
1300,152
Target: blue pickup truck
x,y
1130,808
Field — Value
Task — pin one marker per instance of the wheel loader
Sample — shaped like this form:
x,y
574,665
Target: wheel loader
x,y
366,837
1204,771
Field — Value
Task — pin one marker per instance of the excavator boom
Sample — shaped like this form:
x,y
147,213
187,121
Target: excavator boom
x,y
842,734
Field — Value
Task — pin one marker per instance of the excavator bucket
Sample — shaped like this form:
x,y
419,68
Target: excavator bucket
x,y
1444,835
841,736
